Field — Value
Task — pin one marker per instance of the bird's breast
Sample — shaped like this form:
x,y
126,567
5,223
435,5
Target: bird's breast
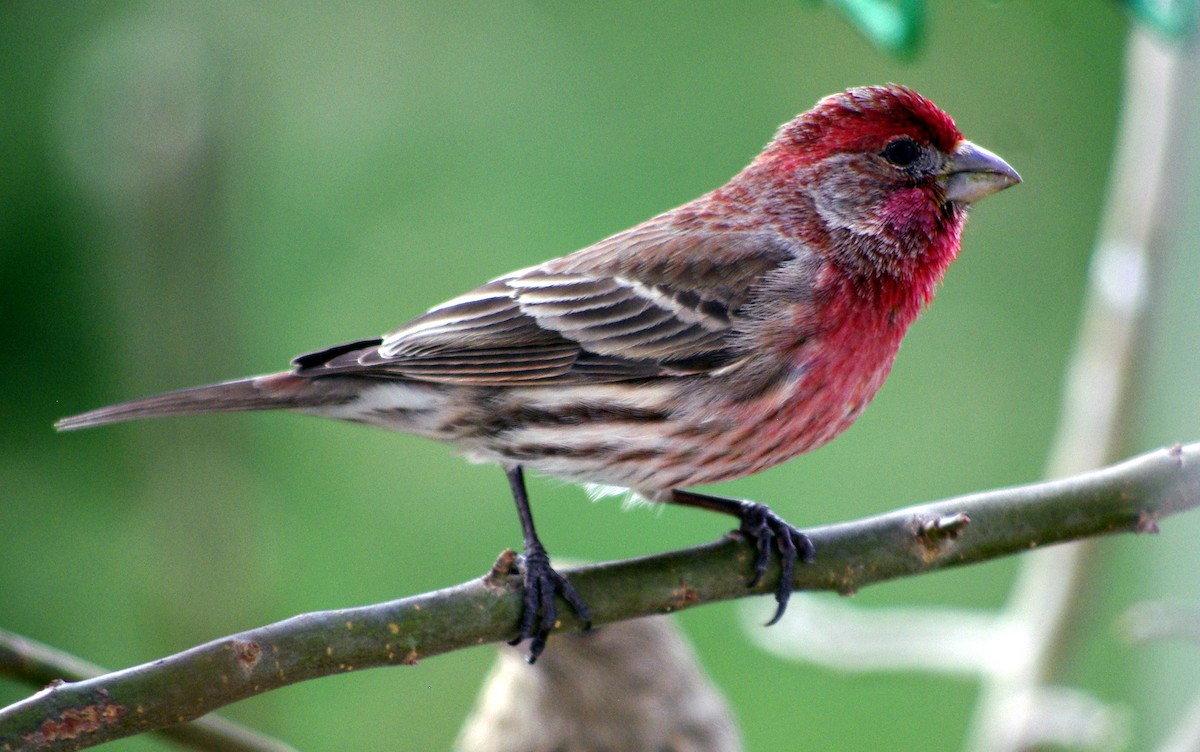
x,y
834,372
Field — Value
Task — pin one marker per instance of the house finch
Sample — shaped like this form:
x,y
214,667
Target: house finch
x,y
716,340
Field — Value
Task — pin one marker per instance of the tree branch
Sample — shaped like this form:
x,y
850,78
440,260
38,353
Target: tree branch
x,y
1131,496
34,663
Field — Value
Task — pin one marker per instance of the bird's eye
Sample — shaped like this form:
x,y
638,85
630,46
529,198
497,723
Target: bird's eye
x,y
902,152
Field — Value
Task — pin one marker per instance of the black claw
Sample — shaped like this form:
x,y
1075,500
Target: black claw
x,y
542,583
762,527
808,552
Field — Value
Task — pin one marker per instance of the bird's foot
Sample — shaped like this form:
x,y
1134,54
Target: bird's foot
x,y
762,527
542,583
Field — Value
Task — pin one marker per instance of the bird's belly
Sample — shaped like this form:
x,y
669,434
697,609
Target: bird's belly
x,y
803,416
659,437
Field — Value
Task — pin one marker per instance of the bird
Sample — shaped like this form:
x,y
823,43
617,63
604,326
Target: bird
x,y
715,340
635,685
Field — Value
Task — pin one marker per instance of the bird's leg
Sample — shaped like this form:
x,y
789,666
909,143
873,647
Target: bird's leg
x,y
761,526
542,582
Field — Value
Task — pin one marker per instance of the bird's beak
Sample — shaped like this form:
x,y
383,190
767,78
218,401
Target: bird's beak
x,y
974,172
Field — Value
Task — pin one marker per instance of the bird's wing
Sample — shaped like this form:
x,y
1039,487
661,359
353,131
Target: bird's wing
x,y
646,303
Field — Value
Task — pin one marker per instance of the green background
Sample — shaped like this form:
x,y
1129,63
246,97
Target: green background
x,y
193,192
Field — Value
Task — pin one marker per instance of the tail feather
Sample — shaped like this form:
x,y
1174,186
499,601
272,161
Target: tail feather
x,y
274,391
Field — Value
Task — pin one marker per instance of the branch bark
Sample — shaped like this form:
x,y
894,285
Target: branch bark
x,y
1129,497
34,663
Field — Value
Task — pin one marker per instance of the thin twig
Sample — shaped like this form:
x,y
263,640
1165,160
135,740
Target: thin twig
x,y
1131,496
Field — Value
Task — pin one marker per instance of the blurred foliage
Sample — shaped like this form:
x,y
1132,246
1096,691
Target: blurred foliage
x,y
1171,18
201,191
898,26
895,27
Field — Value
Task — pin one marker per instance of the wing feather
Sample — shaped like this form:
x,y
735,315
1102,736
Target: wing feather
x,y
599,315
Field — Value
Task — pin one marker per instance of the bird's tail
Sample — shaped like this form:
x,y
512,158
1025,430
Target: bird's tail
x,y
274,391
